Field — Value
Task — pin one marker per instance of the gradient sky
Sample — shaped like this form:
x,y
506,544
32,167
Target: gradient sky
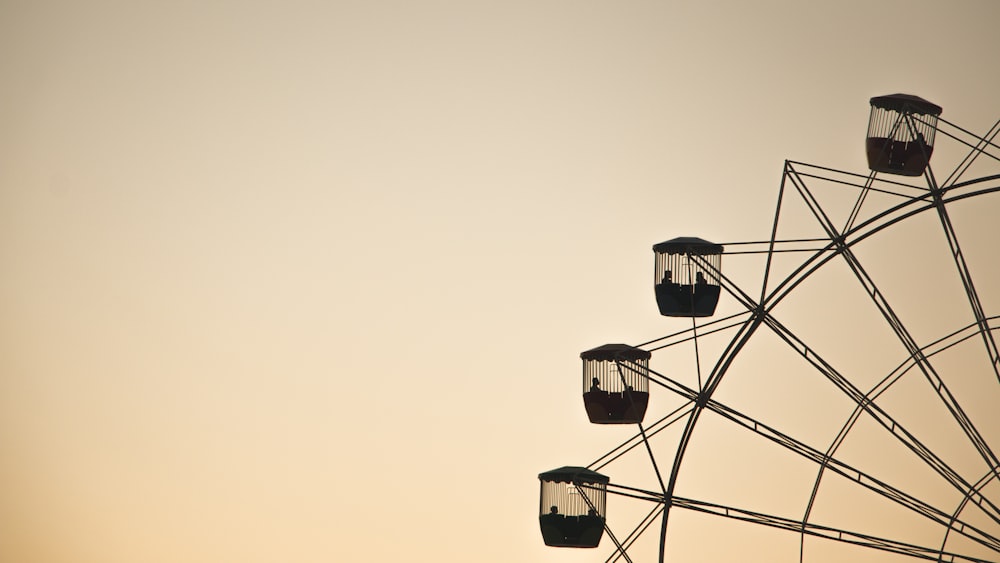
x,y
308,281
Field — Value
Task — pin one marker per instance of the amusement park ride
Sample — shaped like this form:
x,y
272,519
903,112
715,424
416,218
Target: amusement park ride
x,y
962,525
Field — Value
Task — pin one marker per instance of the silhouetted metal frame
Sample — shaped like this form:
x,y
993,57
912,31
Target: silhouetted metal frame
x,y
839,243
889,314
956,250
917,354
772,521
826,460
760,314
864,403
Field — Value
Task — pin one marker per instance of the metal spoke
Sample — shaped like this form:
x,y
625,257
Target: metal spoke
x,y
641,527
582,489
966,277
870,541
828,532
628,445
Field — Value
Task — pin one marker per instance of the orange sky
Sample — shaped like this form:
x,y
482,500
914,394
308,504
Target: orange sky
x,y
308,281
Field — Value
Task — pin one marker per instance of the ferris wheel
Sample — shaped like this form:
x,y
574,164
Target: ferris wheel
x,y
832,392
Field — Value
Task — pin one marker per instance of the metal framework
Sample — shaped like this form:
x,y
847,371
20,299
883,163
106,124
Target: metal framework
x,y
967,530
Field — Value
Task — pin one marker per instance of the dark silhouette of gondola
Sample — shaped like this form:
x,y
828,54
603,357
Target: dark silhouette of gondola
x,y
615,384
901,131
572,507
687,277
